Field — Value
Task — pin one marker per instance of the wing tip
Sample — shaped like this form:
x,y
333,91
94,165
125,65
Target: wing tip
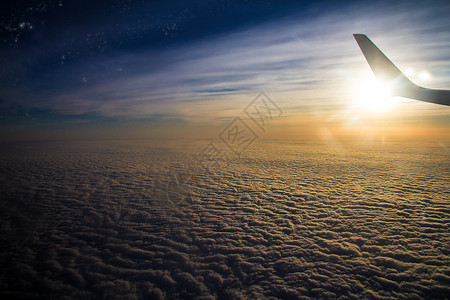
x,y
360,36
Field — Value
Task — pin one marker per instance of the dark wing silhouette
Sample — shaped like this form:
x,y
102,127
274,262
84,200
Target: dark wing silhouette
x,y
386,71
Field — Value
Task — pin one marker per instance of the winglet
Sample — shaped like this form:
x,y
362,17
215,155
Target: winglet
x,y
399,84
381,66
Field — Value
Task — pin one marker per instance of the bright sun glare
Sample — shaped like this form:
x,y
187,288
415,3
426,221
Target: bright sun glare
x,y
372,95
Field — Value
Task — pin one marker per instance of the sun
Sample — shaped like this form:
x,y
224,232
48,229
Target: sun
x,y
373,95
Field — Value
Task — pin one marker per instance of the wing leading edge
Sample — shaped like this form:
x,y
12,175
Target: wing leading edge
x,y
386,71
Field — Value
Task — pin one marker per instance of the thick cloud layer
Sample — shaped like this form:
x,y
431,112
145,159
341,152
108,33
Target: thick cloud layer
x,y
283,221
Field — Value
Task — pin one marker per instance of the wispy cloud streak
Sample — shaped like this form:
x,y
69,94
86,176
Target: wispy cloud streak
x,y
303,61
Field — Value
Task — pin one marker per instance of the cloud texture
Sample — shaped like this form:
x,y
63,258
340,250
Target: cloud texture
x,y
289,221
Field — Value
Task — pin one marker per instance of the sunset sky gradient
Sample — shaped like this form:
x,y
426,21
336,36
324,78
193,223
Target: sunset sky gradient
x,y
185,70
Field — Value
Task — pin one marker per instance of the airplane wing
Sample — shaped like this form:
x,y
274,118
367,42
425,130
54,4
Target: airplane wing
x,y
386,71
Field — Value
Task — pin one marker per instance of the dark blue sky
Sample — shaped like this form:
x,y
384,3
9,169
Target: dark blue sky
x,y
40,40
51,47
96,61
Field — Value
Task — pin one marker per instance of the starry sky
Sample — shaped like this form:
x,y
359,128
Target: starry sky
x,y
169,68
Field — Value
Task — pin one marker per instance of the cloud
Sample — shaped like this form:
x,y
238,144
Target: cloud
x,y
75,221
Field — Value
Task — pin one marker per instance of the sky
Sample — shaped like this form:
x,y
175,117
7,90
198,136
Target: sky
x,y
103,69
